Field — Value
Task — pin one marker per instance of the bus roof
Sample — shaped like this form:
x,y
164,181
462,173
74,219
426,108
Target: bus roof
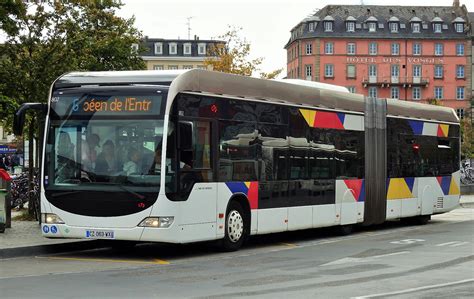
x,y
217,83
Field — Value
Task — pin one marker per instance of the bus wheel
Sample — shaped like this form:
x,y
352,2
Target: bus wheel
x,y
422,220
344,230
235,227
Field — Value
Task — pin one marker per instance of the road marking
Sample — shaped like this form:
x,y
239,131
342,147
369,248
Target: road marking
x,y
361,259
81,259
407,241
453,244
433,286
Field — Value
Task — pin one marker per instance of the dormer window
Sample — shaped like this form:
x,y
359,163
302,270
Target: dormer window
x,y
173,48
158,48
311,27
350,24
187,49
312,22
415,25
328,23
437,24
372,23
393,27
459,24
201,49
393,24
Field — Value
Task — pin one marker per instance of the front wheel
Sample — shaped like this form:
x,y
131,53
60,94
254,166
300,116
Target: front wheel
x,y
236,229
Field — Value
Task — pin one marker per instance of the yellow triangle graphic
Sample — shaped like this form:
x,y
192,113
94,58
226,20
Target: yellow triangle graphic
x,y
309,116
445,129
247,184
453,188
398,189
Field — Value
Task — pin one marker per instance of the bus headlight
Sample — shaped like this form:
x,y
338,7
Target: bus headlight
x,y
163,222
50,218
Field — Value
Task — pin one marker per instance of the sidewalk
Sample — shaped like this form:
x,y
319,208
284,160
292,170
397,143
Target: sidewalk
x,y
25,239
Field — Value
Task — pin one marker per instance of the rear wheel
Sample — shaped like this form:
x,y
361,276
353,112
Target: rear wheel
x,y
417,220
236,229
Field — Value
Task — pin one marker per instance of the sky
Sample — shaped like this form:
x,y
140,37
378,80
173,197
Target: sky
x,y
266,23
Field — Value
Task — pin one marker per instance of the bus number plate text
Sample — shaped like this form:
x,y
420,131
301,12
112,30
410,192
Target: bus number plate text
x,y
100,234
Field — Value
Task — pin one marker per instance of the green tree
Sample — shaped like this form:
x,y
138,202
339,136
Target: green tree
x,y
46,40
234,56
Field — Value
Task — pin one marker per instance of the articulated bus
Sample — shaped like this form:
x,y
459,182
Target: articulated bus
x,y
197,155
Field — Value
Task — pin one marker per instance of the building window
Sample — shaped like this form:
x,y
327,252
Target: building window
x,y
438,92
350,26
460,113
417,71
416,49
393,27
459,93
187,67
416,92
187,49
459,71
329,48
351,89
373,92
460,49
311,27
437,27
173,49
395,70
459,27
395,49
134,48
309,49
438,71
438,49
328,26
172,67
202,67
329,70
351,71
351,48
202,49
415,27
309,71
158,67
395,93
372,26
158,48
373,49
372,70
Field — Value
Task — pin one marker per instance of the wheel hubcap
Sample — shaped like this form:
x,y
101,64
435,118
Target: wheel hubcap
x,y
235,226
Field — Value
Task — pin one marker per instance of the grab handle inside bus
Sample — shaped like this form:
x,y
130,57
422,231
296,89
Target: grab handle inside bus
x,y
19,117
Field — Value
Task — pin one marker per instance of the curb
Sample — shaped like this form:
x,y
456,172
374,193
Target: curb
x,y
24,251
467,204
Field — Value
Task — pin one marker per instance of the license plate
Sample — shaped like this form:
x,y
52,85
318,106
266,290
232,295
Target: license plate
x,y
100,234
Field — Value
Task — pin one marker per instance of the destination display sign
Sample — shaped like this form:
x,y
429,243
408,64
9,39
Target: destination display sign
x,y
70,105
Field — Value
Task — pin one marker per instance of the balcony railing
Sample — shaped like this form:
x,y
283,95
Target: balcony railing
x,y
387,81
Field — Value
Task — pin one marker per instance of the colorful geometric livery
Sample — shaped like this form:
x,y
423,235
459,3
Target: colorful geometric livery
x,y
250,189
332,120
429,129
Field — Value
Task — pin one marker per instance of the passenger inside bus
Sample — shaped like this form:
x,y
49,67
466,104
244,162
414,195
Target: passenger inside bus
x,y
106,162
131,166
65,164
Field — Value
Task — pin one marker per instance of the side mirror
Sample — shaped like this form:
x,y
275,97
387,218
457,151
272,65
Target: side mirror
x,y
19,117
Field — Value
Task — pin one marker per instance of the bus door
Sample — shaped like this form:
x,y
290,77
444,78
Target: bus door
x,y
195,161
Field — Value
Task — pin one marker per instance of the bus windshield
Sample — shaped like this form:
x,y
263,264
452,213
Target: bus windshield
x,y
105,139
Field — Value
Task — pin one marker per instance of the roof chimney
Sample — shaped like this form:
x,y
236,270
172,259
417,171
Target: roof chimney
x,y
456,3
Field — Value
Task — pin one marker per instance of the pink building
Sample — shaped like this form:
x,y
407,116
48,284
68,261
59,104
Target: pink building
x,y
406,52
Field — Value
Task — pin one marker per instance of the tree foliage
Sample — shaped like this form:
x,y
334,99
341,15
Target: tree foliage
x,y
467,146
44,41
234,56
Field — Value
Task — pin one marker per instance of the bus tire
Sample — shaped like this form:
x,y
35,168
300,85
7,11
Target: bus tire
x,y
344,230
236,229
422,219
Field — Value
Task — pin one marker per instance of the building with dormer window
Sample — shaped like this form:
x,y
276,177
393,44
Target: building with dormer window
x,y
412,53
177,54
